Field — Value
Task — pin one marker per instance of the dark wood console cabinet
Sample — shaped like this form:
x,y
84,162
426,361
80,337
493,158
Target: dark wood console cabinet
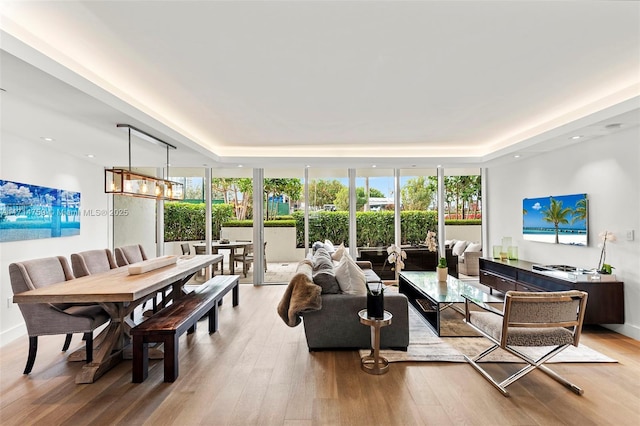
x,y
605,304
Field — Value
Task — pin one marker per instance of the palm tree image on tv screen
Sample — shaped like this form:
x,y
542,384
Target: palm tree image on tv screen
x,y
557,219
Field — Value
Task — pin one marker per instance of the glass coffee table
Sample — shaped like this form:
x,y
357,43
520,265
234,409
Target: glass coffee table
x,y
430,297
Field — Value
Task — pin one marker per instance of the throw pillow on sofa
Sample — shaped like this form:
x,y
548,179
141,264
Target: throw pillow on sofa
x,y
459,247
474,247
350,277
340,251
328,245
323,272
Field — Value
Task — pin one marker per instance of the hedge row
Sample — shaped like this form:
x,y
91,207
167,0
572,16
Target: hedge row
x,y
375,229
267,223
186,221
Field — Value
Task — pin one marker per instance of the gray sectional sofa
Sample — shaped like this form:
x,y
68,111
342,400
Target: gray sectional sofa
x,y
337,326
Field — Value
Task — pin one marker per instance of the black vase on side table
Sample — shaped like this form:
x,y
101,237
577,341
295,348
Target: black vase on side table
x,y
375,305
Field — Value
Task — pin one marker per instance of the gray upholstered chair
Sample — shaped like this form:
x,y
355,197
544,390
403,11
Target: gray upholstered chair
x,y
44,318
92,262
127,255
540,319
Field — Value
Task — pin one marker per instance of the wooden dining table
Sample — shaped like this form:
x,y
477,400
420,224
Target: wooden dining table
x,y
231,246
119,293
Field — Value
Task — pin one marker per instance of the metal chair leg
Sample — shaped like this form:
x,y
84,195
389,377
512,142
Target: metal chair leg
x,y
67,342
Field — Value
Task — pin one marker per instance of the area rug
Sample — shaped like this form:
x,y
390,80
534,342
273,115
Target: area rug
x,y
425,346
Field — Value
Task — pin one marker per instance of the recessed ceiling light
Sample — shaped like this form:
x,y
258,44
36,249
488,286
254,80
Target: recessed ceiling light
x,y
516,156
47,139
373,166
239,165
90,155
307,166
576,137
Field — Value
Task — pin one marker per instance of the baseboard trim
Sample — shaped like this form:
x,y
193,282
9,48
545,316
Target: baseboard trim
x,y
628,330
13,333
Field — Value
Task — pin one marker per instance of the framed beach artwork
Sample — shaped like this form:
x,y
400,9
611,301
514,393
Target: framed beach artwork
x,y
559,219
29,212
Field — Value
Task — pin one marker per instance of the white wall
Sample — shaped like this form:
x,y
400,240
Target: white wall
x,y
37,163
607,170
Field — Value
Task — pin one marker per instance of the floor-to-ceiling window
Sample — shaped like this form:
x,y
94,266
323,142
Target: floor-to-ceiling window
x,y
328,205
283,216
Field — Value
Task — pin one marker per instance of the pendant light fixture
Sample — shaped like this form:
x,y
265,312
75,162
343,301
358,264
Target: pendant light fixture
x,y
127,182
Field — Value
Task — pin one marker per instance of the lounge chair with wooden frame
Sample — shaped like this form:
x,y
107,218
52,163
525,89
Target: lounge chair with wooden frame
x,y
549,319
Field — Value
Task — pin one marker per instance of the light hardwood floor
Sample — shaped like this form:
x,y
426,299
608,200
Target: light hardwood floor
x,y
257,371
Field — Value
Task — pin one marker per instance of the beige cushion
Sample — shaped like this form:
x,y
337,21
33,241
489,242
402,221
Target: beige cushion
x,y
459,248
474,247
350,277
340,251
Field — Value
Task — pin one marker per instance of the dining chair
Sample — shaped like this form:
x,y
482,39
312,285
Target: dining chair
x,y
92,262
529,320
127,255
50,319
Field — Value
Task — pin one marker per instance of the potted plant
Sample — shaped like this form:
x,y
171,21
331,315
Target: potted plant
x,y
396,257
442,270
605,268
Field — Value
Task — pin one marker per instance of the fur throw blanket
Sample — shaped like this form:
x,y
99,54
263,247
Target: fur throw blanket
x,y
301,295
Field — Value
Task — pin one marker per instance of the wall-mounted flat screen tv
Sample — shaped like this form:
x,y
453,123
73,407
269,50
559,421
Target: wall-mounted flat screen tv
x,y
558,219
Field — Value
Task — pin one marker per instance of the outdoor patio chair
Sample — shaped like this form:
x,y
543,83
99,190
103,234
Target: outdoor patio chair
x,y
185,248
46,319
246,258
529,319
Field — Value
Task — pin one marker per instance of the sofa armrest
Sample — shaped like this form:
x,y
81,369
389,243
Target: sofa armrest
x,y
471,263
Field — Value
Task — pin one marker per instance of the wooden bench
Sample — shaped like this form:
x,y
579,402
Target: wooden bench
x,y
167,325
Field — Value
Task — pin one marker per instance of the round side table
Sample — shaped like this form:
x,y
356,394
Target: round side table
x,y
374,363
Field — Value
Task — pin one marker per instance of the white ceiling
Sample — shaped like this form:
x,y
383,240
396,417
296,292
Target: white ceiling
x,y
319,82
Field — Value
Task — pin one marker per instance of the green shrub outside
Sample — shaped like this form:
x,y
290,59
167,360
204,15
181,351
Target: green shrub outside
x,y
375,229
186,221
463,222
